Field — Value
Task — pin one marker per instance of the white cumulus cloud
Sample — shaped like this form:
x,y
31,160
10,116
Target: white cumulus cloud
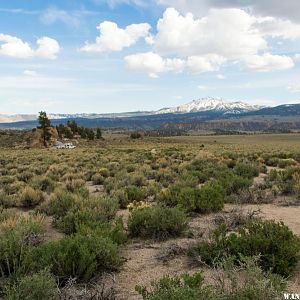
x,y
208,63
113,38
223,35
47,48
268,62
153,64
14,47
226,32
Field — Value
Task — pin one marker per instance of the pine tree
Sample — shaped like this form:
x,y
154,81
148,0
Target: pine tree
x,y
98,134
45,125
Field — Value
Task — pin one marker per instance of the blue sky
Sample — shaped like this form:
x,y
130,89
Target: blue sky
x,y
127,55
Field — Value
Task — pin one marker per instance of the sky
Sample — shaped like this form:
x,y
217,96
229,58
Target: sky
x,y
100,56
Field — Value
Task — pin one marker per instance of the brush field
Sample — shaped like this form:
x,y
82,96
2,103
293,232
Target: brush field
x,y
202,217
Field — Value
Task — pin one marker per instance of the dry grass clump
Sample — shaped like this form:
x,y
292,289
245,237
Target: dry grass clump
x,y
237,217
30,197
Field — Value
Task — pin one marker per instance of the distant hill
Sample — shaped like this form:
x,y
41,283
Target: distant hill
x,y
283,117
281,110
208,104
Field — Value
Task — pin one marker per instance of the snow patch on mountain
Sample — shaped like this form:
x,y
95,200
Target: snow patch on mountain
x,y
211,104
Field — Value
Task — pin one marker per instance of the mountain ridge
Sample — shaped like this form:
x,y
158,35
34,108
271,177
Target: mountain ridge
x,y
212,104
200,105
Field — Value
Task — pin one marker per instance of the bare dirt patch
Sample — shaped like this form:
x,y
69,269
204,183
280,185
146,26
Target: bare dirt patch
x,y
289,215
143,265
94,190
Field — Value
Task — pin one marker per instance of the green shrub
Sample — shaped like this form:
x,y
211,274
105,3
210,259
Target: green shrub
x,y
33,287
98,179
76,211
103,172
245,283
25,176
283,163
137,180
247,170
79,256
122,197
7,201
30,197
186,198
115,231
135,135
157,222
135,193
209,198
233,184
17,237
130,168
185,287
274,242
14,188
189,179
271,161
43,183
7,180
74,185
169,196
60,203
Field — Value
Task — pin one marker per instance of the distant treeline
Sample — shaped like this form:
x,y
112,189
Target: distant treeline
x,y
158,133
71,130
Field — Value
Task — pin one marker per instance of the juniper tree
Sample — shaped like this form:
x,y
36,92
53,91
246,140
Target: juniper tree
x,y
45,125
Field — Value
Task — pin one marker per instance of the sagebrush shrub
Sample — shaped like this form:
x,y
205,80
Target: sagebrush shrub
x,y
14,188
122,197
209,198
17,237
103,172
275,243
79,256
157,222
243,283
185,287
30,197
71,211
6,200
60,203
37,286
246,169
135,193
43,183
74,185
97,179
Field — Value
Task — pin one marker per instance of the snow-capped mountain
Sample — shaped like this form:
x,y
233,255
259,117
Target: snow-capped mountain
x,y
211,104
205,104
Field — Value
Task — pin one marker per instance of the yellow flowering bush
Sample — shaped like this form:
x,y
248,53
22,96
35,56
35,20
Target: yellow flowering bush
x,y
137,205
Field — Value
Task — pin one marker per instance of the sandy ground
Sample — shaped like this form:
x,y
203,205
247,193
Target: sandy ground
x,y
145,263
